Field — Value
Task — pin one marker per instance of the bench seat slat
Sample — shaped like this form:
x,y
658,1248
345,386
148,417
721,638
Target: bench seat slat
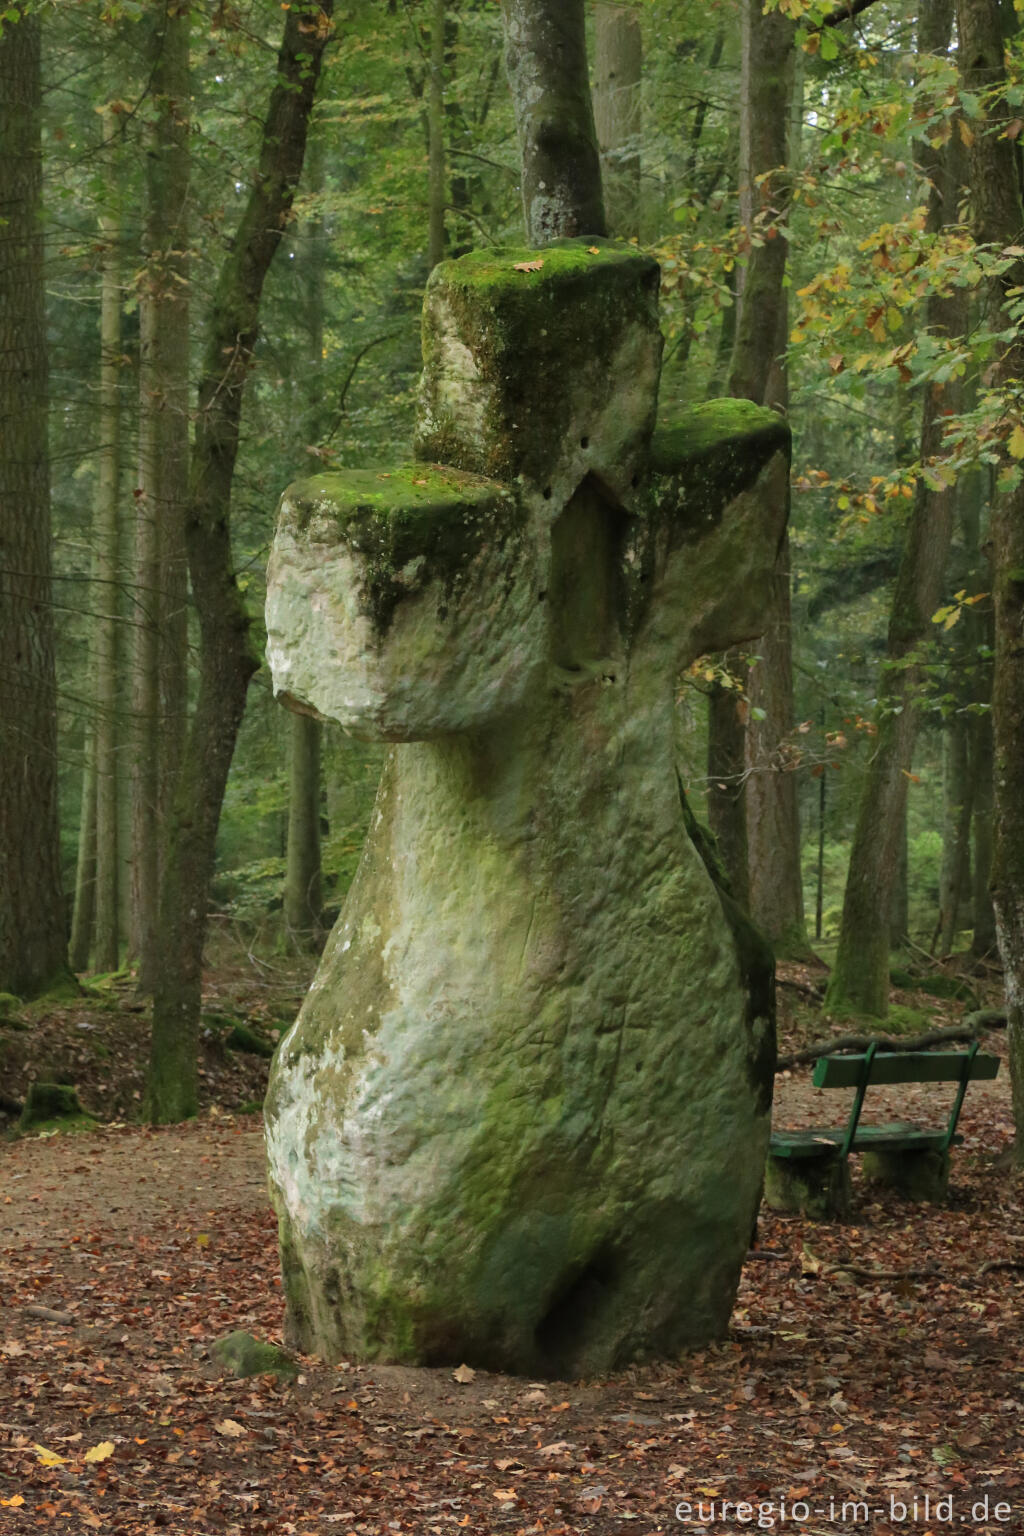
x,y
896,1137
902,1067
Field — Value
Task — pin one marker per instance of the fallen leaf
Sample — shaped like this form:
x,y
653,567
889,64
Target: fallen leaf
x,y
528,266
464,1374
231,1428
100,1452
593,250
506,1495
49,1458
14,1502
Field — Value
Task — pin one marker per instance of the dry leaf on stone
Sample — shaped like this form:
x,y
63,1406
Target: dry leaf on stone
x,y
528,266
464,1374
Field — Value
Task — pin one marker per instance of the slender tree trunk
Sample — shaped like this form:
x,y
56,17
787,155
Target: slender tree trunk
x,y
726,774
765,194
226,659
83,919
303,891
303,887
955,872
160,690
546,61
998,218
768,806
435,134
983,920
860,977
618,62
33,934
106,954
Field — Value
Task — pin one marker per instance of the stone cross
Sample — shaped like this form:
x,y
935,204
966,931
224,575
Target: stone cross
x,y
521,1120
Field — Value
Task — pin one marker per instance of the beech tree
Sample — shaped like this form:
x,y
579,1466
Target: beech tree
x,y
546,62
860,976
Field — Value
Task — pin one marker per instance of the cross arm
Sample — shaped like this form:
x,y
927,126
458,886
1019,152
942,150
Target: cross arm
x,y
395,603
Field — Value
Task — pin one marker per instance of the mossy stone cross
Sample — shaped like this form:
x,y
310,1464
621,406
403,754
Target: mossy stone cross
x,y
521,1119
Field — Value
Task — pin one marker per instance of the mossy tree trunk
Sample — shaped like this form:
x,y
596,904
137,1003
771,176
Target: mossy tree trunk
x,y
860,978
546,61
226,659
997,217
33,936
618,60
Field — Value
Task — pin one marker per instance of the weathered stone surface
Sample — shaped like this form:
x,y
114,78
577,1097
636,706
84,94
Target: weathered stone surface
x,y
243,1355
523,1115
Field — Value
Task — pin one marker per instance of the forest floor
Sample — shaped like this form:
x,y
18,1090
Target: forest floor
x,y
868,1366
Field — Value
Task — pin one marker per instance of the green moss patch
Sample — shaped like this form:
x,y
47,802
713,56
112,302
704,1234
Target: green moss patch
x,y
410,525
711,453
243,1355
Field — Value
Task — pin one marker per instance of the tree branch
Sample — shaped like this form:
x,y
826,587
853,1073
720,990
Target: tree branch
x,y
843,13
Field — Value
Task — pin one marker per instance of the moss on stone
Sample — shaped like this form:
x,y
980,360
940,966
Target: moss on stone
x,y
49,1102
243,1355
707,457
528,333
410,525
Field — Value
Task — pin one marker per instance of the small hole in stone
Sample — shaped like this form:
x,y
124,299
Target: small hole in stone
x,y
635,481
541,596
547,493
584,442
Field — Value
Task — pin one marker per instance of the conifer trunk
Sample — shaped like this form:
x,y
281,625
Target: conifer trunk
x,y
106,948
33,933
226,659
160,682
546,61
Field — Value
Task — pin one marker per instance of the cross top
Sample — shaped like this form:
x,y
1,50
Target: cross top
x,y
531,1080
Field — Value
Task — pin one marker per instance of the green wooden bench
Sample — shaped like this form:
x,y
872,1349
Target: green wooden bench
x,y
808,1171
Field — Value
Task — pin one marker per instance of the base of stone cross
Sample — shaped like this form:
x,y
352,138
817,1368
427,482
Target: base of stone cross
x,y
522,1118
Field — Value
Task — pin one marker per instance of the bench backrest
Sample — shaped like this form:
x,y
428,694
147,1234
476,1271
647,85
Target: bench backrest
x,y
875,1066
903,1067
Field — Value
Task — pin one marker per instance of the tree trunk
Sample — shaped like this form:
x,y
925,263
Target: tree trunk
x,y
770,806
726,774
546,61
983,918
955,873
765,193
160,692
997,218
33,933
303,890
435,136
226,660
618,60
83,918
860,977
106,949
